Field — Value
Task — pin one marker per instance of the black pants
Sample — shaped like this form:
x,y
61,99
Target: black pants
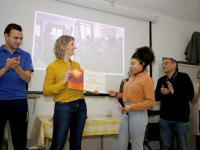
x,y
197,142
14,111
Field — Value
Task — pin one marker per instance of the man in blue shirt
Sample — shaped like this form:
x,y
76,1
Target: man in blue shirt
x,y
15,73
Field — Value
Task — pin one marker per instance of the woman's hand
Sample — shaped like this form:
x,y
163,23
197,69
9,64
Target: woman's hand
x,y
126,109
96,92
112,93
67,74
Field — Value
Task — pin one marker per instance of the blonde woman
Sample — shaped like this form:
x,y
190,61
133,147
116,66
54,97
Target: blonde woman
x,y
195,110
70,107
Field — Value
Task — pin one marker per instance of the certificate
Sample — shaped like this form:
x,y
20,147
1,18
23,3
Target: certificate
x,y
94,81
86,80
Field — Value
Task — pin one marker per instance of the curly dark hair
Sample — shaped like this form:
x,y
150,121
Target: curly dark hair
x,y
144,55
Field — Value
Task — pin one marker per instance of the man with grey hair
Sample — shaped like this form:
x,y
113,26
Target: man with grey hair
x,y
174,90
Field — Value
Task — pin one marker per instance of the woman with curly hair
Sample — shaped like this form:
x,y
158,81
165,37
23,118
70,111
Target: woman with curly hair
x,y
138,96
70,107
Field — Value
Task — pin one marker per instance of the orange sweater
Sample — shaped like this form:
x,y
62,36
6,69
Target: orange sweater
x,y
140,90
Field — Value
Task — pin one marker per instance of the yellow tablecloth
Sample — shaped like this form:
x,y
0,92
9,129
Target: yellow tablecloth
x,y
95,125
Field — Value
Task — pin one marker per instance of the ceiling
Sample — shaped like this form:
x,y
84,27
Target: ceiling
x,y
188,10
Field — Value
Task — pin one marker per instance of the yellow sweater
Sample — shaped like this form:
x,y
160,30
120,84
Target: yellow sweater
x,y
53,84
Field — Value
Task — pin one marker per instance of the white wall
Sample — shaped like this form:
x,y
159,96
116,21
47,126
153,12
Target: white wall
x,y
169,39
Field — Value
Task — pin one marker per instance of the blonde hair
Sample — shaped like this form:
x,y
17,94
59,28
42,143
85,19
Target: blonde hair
x,y
61,44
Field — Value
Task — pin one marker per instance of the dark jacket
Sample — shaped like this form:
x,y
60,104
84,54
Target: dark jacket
x,y
192,51
175,107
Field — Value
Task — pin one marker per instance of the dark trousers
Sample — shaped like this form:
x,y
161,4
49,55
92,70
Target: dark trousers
x,y
69,115
17,119
180,129
197,142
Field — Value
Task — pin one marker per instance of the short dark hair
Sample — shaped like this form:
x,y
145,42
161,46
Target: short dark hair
x,y
11,27
144,55
172,60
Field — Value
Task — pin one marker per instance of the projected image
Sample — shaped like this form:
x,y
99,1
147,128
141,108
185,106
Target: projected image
x,y
47,29
100,47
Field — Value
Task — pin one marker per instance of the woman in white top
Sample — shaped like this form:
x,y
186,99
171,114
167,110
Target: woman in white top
x,y
195,110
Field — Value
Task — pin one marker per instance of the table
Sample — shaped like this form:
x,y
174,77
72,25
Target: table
x,y
33,97
95,125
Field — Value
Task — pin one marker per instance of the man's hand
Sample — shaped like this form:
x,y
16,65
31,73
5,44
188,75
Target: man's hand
x,y
13,63
164,90
5,69
126,109
112,93
171,89
6,66
67,74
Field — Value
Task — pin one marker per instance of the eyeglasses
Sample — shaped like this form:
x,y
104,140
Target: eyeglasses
x,y
165,63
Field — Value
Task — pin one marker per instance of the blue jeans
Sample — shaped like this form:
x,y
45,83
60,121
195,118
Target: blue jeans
x,y
132,126
69,115
180,129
